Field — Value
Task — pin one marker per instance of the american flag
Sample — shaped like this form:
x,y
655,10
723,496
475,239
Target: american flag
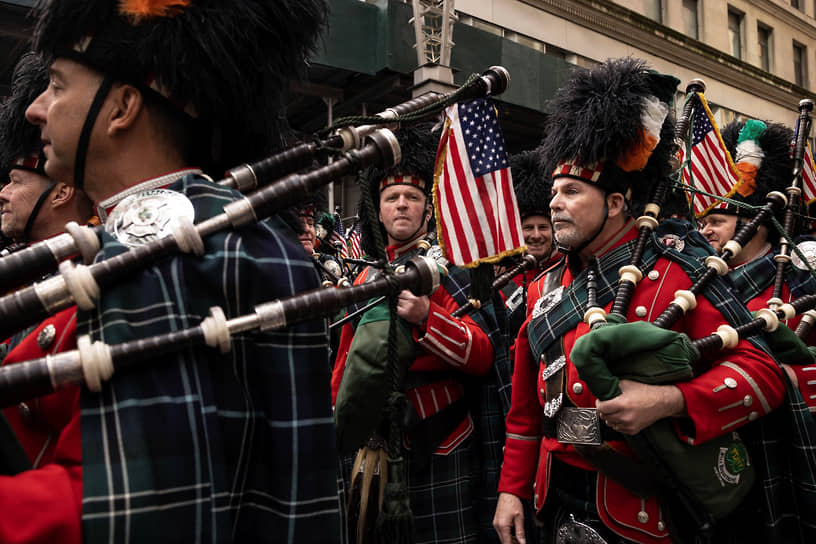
x,y
338,237
710,167
808,170
476,209
808,177
355,250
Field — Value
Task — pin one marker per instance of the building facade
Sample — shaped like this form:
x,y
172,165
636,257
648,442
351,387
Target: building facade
x,y
756,56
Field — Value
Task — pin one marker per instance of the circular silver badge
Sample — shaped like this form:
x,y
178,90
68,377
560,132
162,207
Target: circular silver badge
x,y
149,215
808,249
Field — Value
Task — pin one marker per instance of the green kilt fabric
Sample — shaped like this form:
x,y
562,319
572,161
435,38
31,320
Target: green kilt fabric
x,y
489,401
453,497
200,446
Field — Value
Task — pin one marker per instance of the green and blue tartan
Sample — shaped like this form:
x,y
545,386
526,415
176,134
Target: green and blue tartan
x,y
782,444
755,277
460,488
788,437
200,446
489,400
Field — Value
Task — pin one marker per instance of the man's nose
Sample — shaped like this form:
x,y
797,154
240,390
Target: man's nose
x,y
35,113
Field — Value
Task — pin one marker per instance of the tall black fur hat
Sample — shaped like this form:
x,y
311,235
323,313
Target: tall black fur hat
x,y
603,124
225,64
764,142
20,145
532,183
418,145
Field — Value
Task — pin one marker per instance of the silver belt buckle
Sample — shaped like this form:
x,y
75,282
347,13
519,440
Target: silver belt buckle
x,y
578,426
573,531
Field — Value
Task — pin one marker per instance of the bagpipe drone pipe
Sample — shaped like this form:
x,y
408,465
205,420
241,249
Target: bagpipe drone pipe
x,y
93,363
81,284
345,144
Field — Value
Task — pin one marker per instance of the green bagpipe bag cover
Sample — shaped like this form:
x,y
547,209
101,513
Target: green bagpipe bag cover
x,y
366,384
718,473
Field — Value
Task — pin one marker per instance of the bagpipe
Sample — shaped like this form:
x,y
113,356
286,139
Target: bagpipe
x,y
352,148
82,284
95,362
684,482
528,262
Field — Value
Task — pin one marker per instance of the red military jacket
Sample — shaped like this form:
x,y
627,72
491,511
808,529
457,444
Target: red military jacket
x,y
449,345
805,374
44,505
742,385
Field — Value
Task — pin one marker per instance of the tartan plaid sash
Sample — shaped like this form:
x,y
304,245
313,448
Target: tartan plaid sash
x,y
782,444
754,277
200,446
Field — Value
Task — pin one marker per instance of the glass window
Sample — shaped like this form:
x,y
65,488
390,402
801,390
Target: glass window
x,y
764,43
735,33
654,10
800,64
690,18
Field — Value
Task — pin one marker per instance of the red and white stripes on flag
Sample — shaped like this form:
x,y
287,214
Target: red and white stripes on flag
x,y
710,167
477,214
808,177
355,250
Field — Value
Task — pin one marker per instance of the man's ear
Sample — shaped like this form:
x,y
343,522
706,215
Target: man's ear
x,y
127,104
61,195
615,203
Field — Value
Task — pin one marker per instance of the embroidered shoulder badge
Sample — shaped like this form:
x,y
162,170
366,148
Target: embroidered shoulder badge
x,y
149,215
548,301
808,249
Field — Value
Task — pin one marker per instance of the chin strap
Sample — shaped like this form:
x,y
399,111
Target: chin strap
x,y
419,228
36,210
87,128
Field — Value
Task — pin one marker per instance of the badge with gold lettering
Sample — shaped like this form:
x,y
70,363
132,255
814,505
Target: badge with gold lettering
x,y
149,215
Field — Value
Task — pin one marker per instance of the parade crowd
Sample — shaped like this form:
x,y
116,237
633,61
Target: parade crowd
x,y
187,374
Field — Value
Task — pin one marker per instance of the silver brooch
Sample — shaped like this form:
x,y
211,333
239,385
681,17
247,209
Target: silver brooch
x,y
149,215
808,249
46,336
672,240
435,253
548,302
